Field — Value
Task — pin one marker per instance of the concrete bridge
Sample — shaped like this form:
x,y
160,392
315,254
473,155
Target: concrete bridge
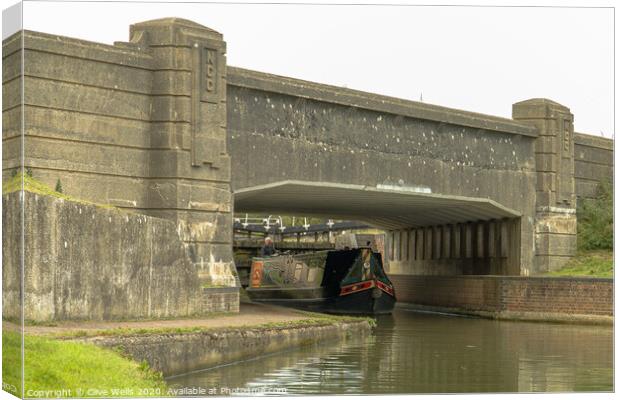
x,y
162,126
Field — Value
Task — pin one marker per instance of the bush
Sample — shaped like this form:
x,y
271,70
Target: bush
x,y
58,186
595,219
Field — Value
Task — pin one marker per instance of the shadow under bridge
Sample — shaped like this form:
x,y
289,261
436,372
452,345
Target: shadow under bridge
x,y
427,233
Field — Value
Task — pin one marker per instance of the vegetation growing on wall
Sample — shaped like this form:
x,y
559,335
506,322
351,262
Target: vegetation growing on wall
x,y
34,186
595,218
58,186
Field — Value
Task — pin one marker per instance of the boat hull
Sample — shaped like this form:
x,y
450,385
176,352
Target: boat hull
x,y
367,302
370,301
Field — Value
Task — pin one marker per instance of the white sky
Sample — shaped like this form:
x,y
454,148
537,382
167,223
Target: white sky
x,y
480,59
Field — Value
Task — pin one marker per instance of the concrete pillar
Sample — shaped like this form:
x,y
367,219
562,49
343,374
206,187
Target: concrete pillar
x,y
480,240
446,239
504,239
404,245
456,235
397,249
419,240
428,243
189,162
492,240
412,244
437,242
468,240
556,223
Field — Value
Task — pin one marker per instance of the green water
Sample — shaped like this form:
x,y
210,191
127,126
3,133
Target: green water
x,y
412,352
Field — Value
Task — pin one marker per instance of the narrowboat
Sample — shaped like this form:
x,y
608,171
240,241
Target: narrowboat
x,y
350,281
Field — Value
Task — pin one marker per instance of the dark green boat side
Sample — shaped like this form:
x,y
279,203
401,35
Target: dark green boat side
x,y
336,281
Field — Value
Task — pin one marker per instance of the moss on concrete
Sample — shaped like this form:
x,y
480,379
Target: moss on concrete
x,y
34,186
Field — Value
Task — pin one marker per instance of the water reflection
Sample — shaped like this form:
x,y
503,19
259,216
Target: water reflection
x,y
427,353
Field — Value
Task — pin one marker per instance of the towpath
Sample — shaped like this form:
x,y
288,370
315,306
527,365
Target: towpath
x,y
249,314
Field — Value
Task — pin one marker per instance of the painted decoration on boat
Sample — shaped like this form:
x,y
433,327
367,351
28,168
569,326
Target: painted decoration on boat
x,y
301,270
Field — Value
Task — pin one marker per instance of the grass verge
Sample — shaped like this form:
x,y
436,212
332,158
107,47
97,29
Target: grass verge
x,y
64,368
56,368
593,263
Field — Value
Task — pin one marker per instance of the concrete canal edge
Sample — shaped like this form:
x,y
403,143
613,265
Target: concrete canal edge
x,y
178,353
524,316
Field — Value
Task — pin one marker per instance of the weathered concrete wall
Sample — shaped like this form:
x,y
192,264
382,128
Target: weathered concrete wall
x,y
174,354
594,162
12,257
87,111
140,125
87,262
281,128
534,298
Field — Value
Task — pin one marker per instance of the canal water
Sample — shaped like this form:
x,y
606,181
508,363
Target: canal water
x,y
412,352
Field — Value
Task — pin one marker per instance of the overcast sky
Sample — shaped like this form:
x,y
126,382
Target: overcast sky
x,y
480,59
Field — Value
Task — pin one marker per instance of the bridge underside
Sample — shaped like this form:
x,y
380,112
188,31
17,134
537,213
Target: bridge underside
x,y
427,233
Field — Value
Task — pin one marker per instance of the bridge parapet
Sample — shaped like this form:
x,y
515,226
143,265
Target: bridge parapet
x,y
594,162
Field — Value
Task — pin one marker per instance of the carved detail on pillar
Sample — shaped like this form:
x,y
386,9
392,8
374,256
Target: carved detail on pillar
x,y
554,150
207,87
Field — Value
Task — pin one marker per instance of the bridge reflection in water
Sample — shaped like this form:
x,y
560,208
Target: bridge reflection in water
x,y
428,353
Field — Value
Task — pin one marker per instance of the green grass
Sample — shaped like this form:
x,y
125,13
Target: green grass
x,y
54,364
594,263
11,363
34,186
84,370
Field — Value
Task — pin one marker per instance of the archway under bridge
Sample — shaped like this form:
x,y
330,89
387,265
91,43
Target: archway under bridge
x,y
427,233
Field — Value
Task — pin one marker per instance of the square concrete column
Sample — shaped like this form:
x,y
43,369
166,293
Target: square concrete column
x,y
556,223
189,169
